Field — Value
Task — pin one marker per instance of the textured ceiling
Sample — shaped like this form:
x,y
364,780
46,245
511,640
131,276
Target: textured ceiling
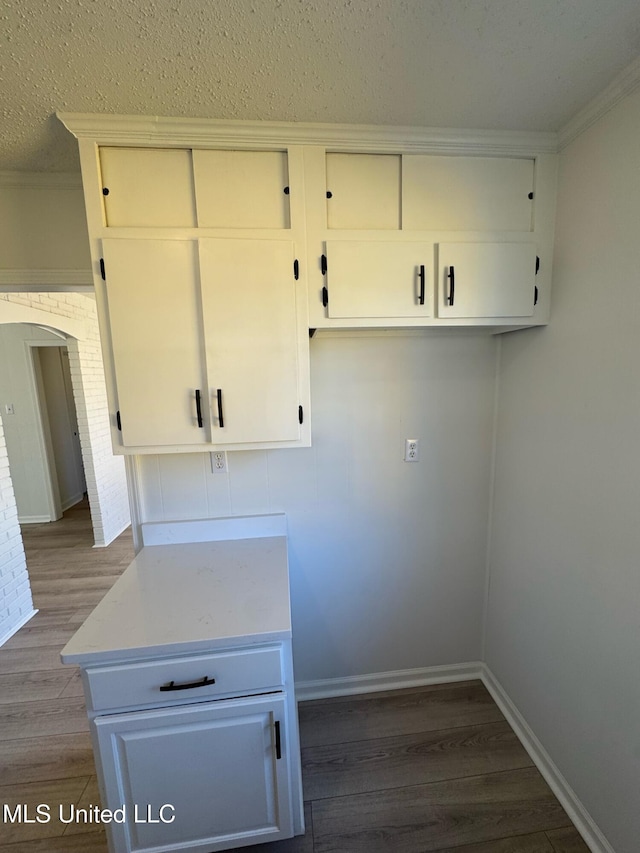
x,y
491,64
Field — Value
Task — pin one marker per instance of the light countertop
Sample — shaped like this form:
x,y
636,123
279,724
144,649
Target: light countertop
x,y
188,598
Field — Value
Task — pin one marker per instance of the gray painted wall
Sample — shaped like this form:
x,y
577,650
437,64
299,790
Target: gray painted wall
x,y
563,621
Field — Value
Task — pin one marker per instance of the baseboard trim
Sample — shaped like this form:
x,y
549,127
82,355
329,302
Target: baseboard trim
x,y
35,519
72,501
580,817
15,628
329,688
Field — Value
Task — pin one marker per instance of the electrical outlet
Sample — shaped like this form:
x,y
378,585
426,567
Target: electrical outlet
x,y
411,450
219,462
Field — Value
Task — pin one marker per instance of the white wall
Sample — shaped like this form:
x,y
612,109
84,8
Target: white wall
x,y
387,557
16,605
563,630
42,222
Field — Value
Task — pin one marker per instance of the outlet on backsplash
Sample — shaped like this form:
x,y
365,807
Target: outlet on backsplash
x,y
219,462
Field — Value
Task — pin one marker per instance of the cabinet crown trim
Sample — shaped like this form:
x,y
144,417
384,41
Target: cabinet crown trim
x,y
191,133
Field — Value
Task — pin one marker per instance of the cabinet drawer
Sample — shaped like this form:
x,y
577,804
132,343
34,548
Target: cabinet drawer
x,y
227,673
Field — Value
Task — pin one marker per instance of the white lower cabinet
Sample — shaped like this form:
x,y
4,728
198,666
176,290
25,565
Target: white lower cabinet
x,y
200,777
187,670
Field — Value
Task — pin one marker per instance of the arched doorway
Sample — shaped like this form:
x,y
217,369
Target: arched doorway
x,y
70,319
37,403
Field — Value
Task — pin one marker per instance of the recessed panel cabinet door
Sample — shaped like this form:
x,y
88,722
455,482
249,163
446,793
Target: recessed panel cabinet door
x,y
155,327
250,318
147,187
466,193
219,769
378,279
486,279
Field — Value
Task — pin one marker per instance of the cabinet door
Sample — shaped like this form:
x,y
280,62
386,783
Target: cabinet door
x,y
147,187
241,189
486,279
363,191
366,279
220,769
155,334
251,331
466,193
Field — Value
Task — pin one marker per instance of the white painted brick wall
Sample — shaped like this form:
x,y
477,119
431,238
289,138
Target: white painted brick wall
x,y
16,604
104,472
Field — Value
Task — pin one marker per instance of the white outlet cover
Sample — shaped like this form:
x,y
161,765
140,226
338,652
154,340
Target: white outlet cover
x,y
411,450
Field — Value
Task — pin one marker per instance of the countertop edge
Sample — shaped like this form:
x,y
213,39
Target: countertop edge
x,y
129,655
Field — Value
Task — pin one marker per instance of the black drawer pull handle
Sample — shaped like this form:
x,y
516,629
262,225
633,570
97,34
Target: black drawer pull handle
x,y
199,409
421,276
188,686
451,275
276,726
220,414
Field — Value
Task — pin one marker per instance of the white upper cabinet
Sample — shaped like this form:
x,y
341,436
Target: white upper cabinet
x,y
466,193
239,237
156,338
249,309
363,191
486,280
379,279
147,187
241,189
206,342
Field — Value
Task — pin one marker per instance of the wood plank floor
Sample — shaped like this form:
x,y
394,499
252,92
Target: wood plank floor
x,y
410,771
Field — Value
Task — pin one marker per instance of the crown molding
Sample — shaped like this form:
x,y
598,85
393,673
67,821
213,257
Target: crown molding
x,y
41,180
620,87
190,133
73,280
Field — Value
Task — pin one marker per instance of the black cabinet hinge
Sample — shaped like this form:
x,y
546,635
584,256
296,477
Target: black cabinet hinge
x,y
102,271
296,269
118,421
535,295
300,414
323,264
537,264
325,297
